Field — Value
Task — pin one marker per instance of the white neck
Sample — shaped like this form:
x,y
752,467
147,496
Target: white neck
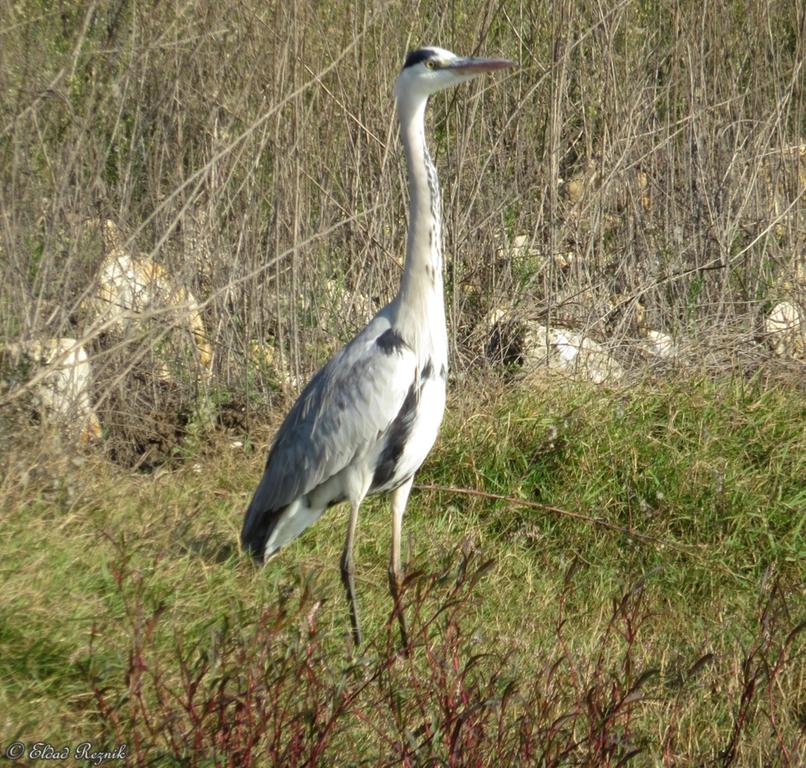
x,y
420,300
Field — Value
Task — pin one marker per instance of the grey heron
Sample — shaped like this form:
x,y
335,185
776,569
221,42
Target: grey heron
x,y
366,421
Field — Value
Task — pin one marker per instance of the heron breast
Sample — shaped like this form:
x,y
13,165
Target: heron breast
x,y
410,437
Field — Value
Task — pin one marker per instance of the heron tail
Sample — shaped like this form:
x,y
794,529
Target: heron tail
x,y
267,530
258,526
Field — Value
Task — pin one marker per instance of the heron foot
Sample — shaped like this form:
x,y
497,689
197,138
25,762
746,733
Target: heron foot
x,y
348,579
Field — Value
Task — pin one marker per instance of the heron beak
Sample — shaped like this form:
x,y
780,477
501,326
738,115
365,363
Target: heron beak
x,y
473,65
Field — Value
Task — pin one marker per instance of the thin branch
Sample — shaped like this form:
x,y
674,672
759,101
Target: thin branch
x,y
597,521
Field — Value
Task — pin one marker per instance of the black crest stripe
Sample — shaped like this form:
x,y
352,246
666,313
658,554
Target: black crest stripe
x,y
415,57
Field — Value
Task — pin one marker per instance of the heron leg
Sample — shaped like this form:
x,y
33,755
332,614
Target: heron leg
x,y
348,572
399,499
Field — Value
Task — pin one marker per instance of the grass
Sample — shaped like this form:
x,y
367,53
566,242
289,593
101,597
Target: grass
x,y
635,596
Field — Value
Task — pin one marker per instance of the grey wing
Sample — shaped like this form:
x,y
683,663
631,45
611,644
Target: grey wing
x,y
342,411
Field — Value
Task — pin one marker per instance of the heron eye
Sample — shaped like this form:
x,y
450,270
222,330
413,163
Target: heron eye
x,y
429,63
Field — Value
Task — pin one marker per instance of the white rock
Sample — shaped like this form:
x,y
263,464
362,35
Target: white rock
x,y
127,289
61,379
519,247
659,344
495,316
562,349
786,330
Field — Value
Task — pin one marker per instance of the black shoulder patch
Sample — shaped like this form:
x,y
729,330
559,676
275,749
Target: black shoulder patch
x,y
390,341
427,370
415,57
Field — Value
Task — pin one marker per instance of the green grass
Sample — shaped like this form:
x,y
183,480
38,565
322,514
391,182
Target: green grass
x,y
695,487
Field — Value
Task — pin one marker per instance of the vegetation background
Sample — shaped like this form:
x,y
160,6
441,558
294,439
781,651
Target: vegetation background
x,y
652,153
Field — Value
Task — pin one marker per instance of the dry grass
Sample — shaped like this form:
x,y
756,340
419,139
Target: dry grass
x,y
651,153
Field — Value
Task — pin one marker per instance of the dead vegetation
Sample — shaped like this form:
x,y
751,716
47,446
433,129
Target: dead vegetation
x,y
457,698
640,155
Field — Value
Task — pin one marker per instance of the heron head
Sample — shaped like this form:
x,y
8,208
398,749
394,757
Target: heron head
x,y
428,70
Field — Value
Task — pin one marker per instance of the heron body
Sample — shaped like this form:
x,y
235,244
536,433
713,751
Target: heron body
x,y
367,420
